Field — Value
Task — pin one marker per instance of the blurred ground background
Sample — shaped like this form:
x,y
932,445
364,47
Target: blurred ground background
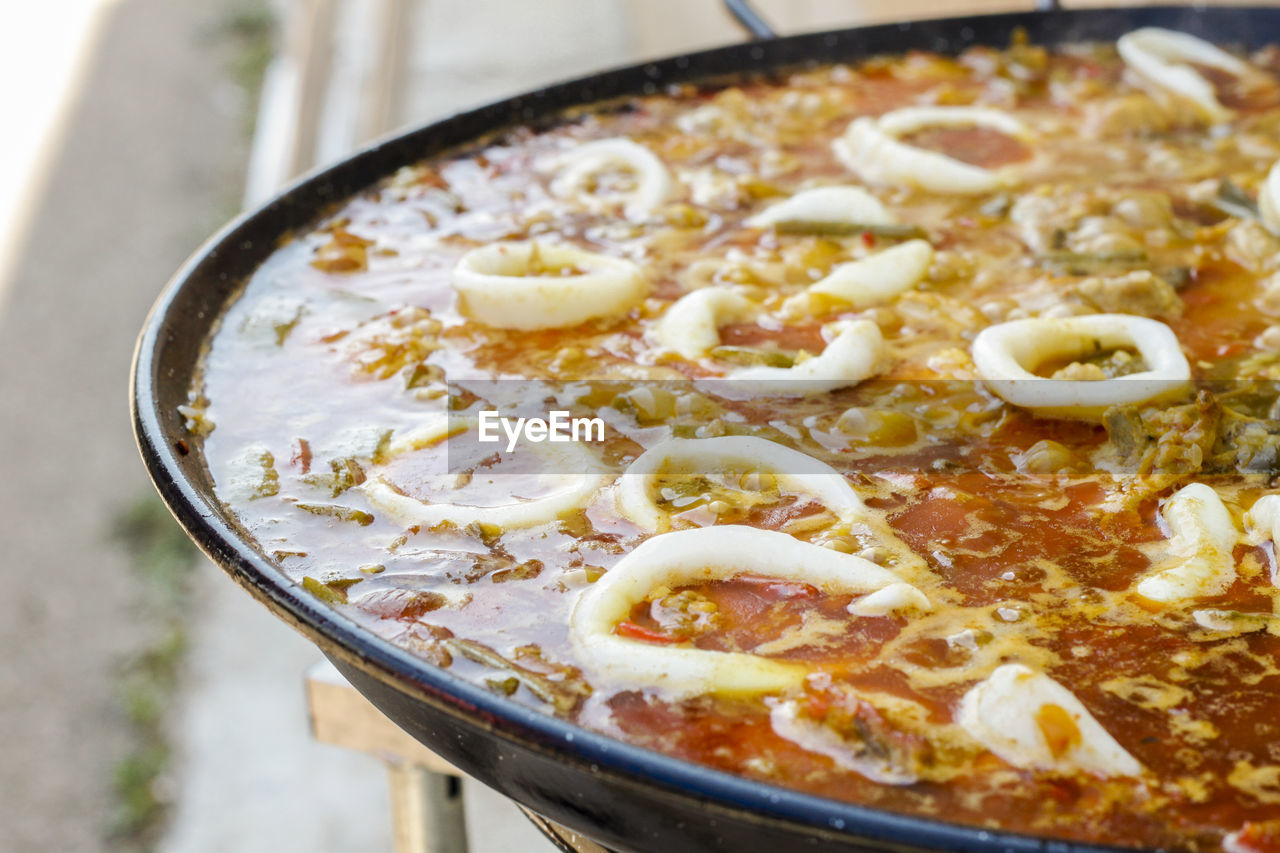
x,y
147,703
147,158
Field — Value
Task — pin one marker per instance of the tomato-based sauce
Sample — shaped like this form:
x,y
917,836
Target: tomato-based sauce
x,y
820,541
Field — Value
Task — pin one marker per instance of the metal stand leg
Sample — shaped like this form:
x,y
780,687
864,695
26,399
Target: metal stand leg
x,y
426,791
563,838
426,810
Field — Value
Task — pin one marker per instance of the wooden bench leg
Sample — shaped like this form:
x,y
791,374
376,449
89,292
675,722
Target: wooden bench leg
x,y
426,791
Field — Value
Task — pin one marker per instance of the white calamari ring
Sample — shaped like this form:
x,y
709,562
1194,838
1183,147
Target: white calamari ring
x,y
653,181
1202,536
691,325
1161,58
826,205
699,555
1262,521
411,512
855,352
794,471
495,285
1002,713
872,148
1007,353
1269,199
891,599
864,283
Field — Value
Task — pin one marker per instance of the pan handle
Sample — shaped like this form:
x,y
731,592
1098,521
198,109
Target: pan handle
x,y
749,19
758,28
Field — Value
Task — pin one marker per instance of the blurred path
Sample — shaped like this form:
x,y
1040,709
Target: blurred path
x,y
250,778
149,162
42,52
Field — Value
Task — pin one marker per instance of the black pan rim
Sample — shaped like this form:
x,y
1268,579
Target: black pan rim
x,y
157,432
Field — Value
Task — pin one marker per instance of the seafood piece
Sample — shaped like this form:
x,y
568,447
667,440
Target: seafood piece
x,y
1007,354
704,554
872,147
1202,538
850,206
1165,60
1032,721
691,326
582,167
544,286
854,352
570,492
864,283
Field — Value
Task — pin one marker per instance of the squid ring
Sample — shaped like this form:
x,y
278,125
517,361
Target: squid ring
x,y
1007,354
855,352
412,512
1263,520
864,283
691,325
1203,536
1004,712
1269,199
580,166
1162,58
697,555
793,470
536,286
827,205
691,328
873,149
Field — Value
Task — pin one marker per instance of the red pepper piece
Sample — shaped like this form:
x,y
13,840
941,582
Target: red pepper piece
x,y
632,631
